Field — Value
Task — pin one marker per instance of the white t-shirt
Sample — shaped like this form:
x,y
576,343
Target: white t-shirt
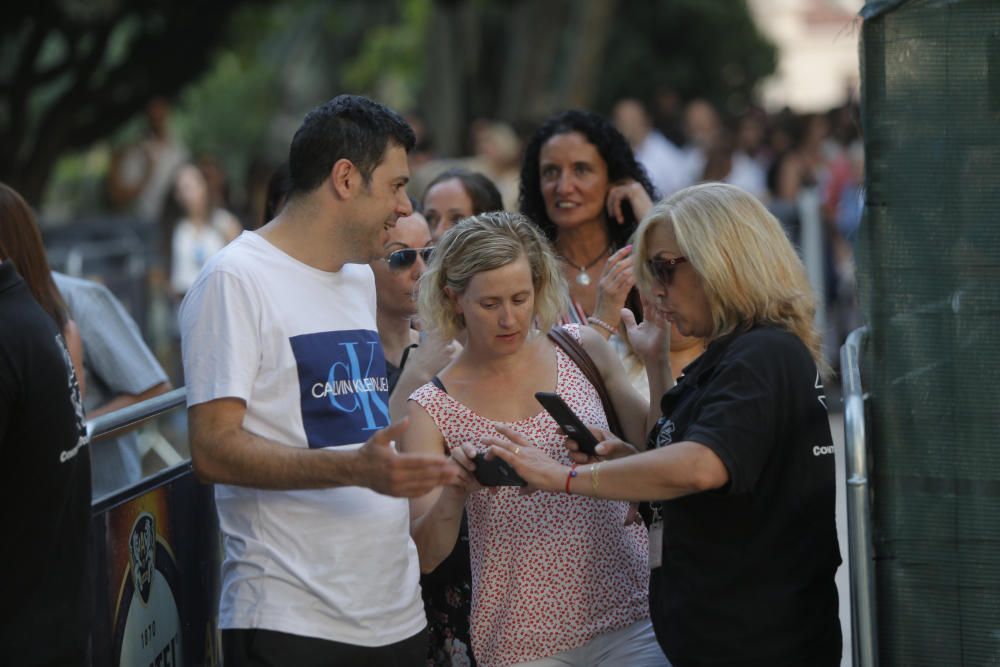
x,y
192,245
300,346
748,174
665,163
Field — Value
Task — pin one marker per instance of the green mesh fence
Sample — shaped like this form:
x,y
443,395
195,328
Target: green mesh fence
x,y
929,276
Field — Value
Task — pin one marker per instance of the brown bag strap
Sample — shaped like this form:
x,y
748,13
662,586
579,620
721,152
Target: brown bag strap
x,y
574,350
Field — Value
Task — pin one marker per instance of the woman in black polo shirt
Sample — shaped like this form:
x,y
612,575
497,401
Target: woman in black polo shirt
x,y
739,458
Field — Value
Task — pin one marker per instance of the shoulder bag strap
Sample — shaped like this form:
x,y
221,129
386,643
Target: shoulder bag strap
x,y
575,351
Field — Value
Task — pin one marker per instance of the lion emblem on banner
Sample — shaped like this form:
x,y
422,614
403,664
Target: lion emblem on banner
x,y
142,554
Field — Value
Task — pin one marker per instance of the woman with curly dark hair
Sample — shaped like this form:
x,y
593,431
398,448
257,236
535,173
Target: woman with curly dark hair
x,y
581,184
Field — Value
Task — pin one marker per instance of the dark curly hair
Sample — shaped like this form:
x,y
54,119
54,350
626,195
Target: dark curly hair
x,y
613,149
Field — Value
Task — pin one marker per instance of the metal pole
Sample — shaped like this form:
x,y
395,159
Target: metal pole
x,y
133,415
859,522
811,240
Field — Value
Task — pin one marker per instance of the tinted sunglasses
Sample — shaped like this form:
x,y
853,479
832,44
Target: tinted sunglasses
x,y
406,257
663,269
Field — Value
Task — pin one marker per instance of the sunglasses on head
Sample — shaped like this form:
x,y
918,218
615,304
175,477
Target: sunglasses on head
x,y
406,257
663,269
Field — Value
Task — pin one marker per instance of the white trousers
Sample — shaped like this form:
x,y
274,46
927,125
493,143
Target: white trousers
x,y
634,645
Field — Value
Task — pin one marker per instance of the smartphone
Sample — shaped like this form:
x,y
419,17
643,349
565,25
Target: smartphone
x,y
495,472
628,215
568,421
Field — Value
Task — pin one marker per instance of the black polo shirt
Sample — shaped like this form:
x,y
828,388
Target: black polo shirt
x,y
44,488
748,570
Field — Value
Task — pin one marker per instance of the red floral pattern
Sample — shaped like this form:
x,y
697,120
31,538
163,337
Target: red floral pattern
x,y
550,571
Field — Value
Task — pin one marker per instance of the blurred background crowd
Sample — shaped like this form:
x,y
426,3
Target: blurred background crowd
x,y
145,135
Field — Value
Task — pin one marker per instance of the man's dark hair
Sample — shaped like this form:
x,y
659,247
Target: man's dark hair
x,y
483,193
347,127
613,149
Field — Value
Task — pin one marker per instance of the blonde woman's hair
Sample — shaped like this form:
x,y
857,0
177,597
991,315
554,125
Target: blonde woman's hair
x,y
482,243
749,270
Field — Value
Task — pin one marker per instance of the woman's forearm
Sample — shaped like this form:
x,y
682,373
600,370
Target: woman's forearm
x,y
436,532
669,472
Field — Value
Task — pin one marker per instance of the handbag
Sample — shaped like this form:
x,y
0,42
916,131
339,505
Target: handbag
x,y
574,350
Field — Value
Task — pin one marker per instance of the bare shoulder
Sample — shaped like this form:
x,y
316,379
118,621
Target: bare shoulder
x,y
422,435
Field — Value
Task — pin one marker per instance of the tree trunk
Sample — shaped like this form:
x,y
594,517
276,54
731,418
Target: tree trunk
x,y
531,60
593,22
446,78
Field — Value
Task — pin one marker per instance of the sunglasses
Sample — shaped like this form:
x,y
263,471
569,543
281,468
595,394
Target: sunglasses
x,y
406,257
663,269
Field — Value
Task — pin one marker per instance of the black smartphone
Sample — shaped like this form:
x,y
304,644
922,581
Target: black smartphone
x,y
628,215
568,421
495,472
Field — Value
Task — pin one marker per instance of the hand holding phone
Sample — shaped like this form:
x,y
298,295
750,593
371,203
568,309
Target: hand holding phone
x,y
495,472
568,421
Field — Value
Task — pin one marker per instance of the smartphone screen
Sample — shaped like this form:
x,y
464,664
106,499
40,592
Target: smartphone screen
x,y
568,421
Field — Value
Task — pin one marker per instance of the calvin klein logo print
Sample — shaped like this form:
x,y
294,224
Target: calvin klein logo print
x,y
343,388
350,388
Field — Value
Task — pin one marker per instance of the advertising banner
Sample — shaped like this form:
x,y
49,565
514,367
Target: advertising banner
x,y
155,554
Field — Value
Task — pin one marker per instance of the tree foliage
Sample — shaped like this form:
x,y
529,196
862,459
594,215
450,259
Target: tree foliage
x,y
278,61
697,48
519,60
73,72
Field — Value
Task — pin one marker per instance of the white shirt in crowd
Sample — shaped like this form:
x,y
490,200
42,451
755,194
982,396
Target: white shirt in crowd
x,y
666,164
192,245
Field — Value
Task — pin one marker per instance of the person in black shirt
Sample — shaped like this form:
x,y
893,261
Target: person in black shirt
x,y
45,497
740,456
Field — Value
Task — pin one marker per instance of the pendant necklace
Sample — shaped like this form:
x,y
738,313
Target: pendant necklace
x,y
583,278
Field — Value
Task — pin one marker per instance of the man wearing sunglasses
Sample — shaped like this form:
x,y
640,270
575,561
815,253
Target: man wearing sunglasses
x,y
288,410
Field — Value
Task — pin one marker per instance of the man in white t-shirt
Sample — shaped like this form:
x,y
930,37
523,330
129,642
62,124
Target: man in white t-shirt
x,y
665,163
288,411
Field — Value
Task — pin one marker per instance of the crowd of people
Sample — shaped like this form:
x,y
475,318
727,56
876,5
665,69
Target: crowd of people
x,y
356,360
775,157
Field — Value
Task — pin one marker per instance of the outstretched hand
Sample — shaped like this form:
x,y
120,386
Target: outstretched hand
x,y
609,446
533,465
381,468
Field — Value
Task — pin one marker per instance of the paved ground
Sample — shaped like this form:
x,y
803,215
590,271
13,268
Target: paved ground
x,y
837,427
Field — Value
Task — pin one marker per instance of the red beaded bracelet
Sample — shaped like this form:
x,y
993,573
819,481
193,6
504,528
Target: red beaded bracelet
x,y
570,476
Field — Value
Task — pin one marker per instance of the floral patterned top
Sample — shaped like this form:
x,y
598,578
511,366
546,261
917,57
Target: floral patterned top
x,y
550,571
447,595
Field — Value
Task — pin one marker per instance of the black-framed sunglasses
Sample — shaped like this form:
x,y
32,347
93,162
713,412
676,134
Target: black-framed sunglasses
x,y
663,269
404,258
